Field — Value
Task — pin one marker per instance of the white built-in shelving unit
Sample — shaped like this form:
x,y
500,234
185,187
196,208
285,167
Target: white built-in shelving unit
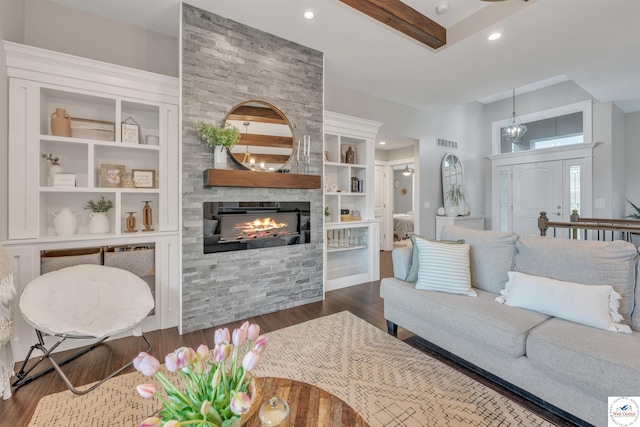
x,y
41,81
351,239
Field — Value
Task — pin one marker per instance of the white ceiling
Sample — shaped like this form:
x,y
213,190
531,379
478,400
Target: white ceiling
x,y
595,43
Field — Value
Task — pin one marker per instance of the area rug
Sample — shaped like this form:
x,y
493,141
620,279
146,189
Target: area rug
x,y
387,381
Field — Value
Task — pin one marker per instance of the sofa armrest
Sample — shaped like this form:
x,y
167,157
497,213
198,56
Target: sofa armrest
x,y
401,258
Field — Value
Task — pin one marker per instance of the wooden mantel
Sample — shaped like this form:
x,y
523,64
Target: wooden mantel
x,y
247,178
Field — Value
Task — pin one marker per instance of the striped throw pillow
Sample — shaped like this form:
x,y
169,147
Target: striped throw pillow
x,y
444,268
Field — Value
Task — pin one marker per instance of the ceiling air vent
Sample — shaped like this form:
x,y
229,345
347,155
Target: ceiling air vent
x,y
446,143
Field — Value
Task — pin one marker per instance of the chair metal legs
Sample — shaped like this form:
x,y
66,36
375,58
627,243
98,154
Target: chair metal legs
x,y
22,375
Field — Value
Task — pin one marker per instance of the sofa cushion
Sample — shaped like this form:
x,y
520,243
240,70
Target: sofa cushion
x,y
591,305
414,261
401,257
478,321
592,358
491,255
589,262
444,267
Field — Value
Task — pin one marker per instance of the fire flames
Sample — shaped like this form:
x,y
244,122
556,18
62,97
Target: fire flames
x,y
261,227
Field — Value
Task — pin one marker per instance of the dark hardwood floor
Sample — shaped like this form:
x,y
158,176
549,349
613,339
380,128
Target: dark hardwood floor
x,y
362,300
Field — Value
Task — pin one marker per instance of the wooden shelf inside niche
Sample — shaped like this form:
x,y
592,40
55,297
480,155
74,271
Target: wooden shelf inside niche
x,y
246,178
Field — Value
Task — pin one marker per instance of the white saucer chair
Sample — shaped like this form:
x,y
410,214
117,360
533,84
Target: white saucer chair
x,y
86,302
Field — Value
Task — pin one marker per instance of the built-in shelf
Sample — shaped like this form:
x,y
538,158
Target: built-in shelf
x,y
247,178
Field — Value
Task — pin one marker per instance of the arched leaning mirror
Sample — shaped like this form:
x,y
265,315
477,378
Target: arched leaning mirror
x,y
452,179
266,137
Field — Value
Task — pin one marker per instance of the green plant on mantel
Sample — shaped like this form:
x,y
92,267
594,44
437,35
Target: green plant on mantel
x,y
634,215
455,194
102,205
217,136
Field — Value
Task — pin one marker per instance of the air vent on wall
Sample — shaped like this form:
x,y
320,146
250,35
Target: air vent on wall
x,y
446,143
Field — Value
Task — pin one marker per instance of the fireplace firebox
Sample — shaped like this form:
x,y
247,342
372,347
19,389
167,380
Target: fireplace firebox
x,y
236,226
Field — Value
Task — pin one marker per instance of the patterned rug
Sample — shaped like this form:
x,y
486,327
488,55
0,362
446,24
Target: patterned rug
x,y
387,381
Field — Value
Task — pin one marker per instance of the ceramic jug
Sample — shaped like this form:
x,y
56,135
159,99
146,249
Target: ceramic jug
x,y
60,123
65,221
99,223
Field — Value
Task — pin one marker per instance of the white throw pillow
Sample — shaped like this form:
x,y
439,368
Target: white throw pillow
x,y
444,267
590,305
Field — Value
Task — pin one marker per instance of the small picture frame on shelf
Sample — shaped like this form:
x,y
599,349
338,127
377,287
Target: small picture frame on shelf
x,y
111,175
64,180
144,178
130,131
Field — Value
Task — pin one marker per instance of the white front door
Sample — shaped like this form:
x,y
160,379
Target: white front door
x,y
537,187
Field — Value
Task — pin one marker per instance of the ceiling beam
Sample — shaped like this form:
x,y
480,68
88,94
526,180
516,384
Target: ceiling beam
x,y
403,18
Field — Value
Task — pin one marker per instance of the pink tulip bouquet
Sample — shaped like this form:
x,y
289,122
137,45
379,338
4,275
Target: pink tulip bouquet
x,y
215,384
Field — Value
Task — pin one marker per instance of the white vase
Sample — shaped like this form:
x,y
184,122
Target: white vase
x,y
452,211
441,211
65,222
99,223
220,157
53,170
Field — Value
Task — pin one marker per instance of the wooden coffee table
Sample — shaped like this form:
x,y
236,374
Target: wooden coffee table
x,y
308,405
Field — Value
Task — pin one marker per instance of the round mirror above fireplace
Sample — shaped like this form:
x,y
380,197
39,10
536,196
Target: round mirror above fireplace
x,y
266,137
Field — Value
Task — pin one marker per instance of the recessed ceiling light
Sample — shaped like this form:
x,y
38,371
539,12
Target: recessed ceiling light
x,y
309,15
382,142
495,36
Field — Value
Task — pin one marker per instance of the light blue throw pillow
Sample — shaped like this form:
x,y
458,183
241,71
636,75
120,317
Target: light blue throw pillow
x,y
444,268
414,264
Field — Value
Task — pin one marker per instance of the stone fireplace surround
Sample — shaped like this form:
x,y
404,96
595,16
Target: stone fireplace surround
x,y
225,63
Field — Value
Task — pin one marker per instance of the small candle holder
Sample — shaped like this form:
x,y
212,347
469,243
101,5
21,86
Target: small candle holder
x,y
131,223
147,216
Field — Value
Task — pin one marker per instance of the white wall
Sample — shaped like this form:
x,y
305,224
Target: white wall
x,y
397,154
402,203
632,159
603,160
59,28
618,167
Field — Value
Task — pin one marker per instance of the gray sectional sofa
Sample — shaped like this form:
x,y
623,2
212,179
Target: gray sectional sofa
x,y
570,366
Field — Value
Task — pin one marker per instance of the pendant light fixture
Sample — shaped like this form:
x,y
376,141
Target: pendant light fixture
x,y
247,156
514,131
407,171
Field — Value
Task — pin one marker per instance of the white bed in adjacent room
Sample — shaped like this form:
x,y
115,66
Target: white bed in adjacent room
x,y
402,225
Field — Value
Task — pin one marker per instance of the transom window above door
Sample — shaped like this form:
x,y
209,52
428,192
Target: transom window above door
x,y
566,125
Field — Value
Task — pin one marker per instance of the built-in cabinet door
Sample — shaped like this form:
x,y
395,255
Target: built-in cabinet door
x,y
24,208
